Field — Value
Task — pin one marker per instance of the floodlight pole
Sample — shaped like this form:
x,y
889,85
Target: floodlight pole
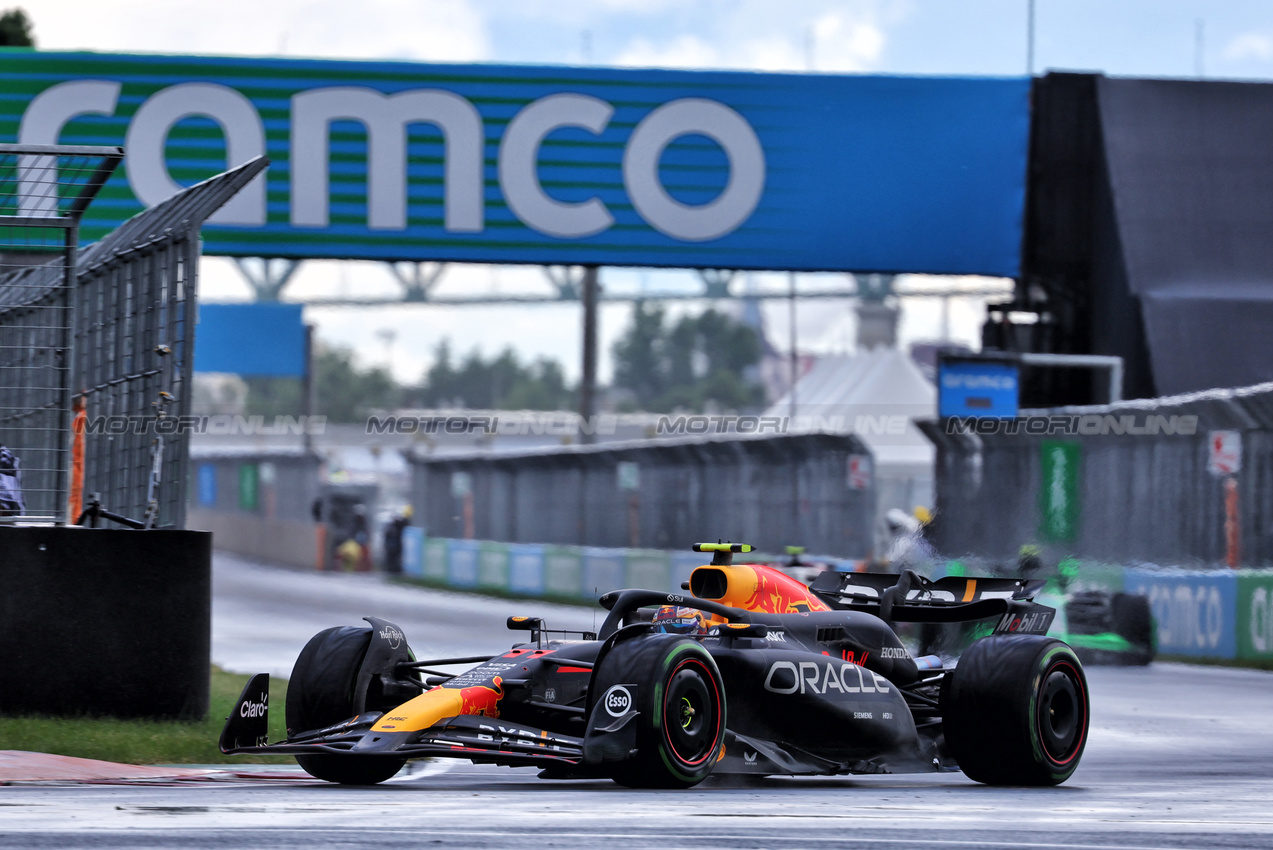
x,y
588,380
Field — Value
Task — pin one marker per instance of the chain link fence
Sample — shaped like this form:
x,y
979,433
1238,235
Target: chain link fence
x,y
98,348
43,193
1130,482
663,494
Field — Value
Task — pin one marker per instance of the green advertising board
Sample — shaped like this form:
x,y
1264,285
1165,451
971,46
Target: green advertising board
x,y
249,486
1059,490
1255,615
435,559
563,571
492,566
648,568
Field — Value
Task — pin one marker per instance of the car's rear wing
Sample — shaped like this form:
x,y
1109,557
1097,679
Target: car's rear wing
x,y
909,597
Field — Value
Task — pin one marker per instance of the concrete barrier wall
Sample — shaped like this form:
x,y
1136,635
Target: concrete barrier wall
x,y
283,541
105,622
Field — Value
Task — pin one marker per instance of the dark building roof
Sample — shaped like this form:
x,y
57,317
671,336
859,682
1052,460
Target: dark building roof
x,y
1150,225
1191,173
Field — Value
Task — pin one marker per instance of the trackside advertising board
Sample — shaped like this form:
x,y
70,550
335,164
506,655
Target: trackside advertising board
x,y
491,163
1255,615
251,339
1194,612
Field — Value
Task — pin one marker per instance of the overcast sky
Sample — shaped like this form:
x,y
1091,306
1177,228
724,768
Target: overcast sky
x,y
1172,38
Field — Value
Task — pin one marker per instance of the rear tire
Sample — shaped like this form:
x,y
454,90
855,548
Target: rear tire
x,y
681,700
1133,620
1015,711
320,693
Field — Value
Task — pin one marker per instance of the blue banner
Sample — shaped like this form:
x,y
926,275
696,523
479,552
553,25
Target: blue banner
x,y
602,571
251,339
526,569
522,164
462,563
980,389
208,484
413,551
1195,613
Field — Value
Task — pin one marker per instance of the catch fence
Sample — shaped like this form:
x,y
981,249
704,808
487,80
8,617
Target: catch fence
x,y
1138,481
771,491
114,349
44,191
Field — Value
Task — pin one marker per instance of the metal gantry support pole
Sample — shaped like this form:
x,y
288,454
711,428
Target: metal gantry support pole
x,y
566,280
269,283
716,282
418,279
588,379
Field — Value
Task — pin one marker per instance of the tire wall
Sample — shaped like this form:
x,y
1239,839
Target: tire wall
x,y
106,622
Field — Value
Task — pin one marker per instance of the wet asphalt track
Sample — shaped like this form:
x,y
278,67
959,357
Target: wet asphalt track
x,y
1179,757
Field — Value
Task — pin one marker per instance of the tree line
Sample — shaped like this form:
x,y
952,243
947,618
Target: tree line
x,y
697,363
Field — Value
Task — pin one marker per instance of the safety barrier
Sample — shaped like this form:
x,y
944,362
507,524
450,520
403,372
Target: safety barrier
x,y
1254,617
1219,614
551,571
1178,480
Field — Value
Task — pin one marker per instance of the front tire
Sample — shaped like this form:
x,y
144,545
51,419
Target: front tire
x,y
320,693
1015,711
681,703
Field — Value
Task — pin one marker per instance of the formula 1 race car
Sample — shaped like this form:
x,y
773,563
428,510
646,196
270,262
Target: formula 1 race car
x,y
754,673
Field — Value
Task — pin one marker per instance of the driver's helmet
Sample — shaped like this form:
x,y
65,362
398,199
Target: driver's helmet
x,y
679,620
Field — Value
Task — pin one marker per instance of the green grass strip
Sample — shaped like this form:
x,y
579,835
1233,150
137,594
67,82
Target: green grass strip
x,y
148,741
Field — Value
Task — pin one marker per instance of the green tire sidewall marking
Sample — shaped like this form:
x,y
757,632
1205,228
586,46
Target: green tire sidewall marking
x,y
668,662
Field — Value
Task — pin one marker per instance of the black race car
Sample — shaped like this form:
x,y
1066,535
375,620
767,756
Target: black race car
x,y
753,673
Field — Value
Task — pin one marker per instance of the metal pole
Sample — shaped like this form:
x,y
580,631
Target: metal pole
x,y
65,419
795,360
307,389
1199,36
588,380
1029,39
1232,528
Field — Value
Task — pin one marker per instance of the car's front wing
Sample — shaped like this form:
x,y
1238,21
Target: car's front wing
x,y
474,737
